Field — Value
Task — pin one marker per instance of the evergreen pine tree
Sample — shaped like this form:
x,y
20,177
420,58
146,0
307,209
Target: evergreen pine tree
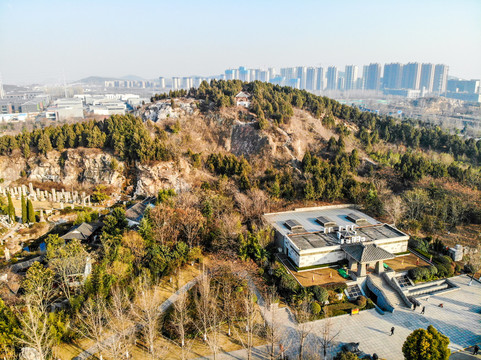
x,y
24,210
11,209
30,211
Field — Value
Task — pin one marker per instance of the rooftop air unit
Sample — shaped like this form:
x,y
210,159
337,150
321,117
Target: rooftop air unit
x,y
325,221
358,220
294,226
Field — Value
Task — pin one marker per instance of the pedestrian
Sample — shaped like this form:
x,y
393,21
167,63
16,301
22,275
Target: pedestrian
x,y
475,350
415,306
422,311
392,331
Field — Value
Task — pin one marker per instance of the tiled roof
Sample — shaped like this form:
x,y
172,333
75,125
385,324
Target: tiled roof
x,y
136,212
242,95
81,232
367,253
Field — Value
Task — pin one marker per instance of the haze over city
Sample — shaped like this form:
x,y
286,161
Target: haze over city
x,y
45,41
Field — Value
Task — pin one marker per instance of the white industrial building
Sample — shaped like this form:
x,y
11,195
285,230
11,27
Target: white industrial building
x,y
329,234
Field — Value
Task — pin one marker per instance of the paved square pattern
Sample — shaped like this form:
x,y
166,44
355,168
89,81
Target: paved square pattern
x,y
459,319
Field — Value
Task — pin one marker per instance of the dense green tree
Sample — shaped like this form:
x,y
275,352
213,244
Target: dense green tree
x,y
9,331
30,212
11,208
24,210
427,344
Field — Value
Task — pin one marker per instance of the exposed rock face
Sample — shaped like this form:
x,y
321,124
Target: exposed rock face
x,y
71,167
11,167
163,110
247,140
163,175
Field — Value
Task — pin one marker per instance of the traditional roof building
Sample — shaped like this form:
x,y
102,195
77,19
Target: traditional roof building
x,y
81,232
242,99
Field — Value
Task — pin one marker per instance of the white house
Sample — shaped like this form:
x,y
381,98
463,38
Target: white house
x,y
242,99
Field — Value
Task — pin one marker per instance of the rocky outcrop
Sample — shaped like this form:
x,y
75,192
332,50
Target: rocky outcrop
x,y
246,140
162,175
163,110
71,167
11,168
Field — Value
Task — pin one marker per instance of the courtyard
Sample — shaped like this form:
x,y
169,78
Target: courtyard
x,y
405,262
459,319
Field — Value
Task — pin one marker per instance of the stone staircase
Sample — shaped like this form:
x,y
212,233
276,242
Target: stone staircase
x,y
391,294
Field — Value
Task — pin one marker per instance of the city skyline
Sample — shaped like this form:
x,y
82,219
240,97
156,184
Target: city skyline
x,y
49,40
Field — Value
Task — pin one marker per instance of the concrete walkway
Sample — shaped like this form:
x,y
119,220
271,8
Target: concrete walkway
x,y
163,307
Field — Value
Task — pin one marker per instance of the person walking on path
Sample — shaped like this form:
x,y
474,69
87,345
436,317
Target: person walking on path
x,y
422,311
392,331
415,306
475,350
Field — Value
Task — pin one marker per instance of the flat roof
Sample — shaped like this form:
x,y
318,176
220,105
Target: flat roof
x,y
307,218
314,236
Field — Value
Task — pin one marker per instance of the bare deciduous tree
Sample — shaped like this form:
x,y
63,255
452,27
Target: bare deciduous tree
x,y
191,224
36,330
146,311
394,207
165,227
209,316
273,327
327,336
252,204
248,311
303,327
180,320
120,325
91,320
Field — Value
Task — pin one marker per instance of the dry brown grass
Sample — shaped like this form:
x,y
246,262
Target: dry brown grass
x,y
405,262
322,276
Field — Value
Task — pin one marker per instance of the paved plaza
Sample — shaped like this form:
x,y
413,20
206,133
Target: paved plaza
x,y
459,319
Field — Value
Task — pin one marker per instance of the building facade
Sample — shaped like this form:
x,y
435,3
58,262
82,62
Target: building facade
x,y
325,235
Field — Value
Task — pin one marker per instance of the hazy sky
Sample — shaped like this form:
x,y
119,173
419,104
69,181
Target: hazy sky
x,y
41,40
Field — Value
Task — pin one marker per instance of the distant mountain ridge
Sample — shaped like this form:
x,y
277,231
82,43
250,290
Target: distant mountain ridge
x,y
102,79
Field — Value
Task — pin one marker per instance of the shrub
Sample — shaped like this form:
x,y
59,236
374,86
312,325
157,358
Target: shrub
x,y
361,302
337,287
415,274
315,308
444,270
424,273
446,260
433,270
320,293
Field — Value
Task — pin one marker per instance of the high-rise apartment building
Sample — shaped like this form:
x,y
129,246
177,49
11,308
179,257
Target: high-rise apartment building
x,y
373,78
320,79
331,77
351,77
176,83
162,82
244,74
440,78
392,76
301,72
311,78
411,76
427,77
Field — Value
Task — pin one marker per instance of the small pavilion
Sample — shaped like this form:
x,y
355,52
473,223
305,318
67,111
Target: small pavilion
x,y
366,255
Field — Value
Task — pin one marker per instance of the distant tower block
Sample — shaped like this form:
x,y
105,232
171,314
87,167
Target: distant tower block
x,y
30,188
